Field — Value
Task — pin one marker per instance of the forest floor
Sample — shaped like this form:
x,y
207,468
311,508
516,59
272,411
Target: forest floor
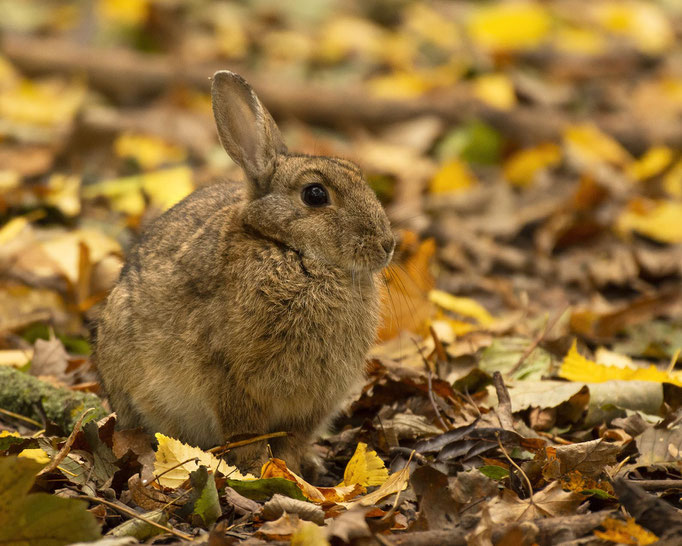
x,y
525,386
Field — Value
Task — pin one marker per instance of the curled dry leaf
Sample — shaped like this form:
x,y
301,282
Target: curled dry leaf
x,y
278,505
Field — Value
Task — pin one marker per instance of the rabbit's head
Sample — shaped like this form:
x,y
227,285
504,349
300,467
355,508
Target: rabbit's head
x,y
319,206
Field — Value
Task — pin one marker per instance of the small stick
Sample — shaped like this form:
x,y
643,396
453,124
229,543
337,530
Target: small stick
x,y
530,487
240,443
504,405
21,417
440,350
537,340
130,512
156,478
430,387
64,451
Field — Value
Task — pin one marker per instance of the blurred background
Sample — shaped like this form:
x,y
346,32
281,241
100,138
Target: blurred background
x,y
528,153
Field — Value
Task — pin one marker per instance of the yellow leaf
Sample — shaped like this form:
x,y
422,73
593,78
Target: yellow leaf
x,y
462,306
578,40
63,193
576,367
343,36
5,433
453,176
15,358
520,169
309,534
672,181
12,228
164,187
591,146
171,452
652,163
398,85
625,532
125,12
395,483
495,90
509,25
644,23
277,468
365,468
47,103
37,455
150,152
659,220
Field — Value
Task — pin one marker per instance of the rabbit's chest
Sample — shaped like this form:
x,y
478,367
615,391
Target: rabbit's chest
x,y
305,338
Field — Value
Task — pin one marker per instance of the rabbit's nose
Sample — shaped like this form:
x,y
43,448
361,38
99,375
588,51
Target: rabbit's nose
x,y
388,245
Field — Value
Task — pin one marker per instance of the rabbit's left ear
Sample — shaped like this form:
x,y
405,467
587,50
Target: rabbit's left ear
x,y
246,129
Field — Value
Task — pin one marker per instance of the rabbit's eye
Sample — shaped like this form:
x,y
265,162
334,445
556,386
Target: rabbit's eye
x,y
315,195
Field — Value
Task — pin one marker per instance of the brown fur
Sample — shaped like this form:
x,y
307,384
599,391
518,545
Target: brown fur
x,y
242,310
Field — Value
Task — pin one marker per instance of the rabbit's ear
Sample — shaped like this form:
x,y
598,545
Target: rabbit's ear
x,y
246,129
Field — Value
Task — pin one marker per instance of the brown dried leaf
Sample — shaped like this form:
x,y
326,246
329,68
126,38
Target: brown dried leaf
x,y
550,502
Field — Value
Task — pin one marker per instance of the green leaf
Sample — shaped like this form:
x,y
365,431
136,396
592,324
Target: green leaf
x,y
261,490
475,142
7,441
504,353
204,499
38,519
599,493
494,472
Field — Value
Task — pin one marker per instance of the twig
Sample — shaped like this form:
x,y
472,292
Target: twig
x,y
547,329
21,417
438,346
530,487
156,478
222,449
64,451
504,405
130,512
397,496
430,387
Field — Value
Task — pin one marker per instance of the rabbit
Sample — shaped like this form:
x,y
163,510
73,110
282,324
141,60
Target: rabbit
x,y
248,308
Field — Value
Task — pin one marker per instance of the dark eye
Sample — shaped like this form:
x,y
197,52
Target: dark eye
x,y
315,195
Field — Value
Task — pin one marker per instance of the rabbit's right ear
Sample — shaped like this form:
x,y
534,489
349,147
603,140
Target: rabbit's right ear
x,y
246,129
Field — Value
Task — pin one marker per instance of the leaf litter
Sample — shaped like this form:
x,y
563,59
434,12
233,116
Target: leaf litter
x,y
528,155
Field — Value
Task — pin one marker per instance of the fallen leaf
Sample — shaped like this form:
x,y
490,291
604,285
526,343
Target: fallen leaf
x,y
462,306
509,26
278,505
659,220
495,90
453,176
522,167
365,468
171,452
625,532
576,367
38,519
551,502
